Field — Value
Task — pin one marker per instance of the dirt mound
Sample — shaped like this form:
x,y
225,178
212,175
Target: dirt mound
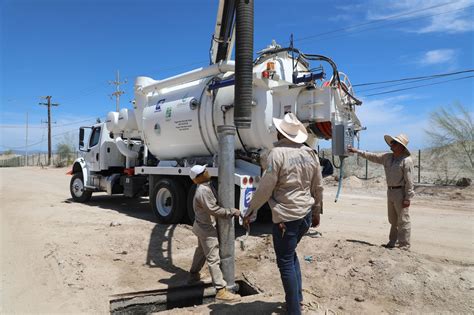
x,y
354,182
445,192
357,276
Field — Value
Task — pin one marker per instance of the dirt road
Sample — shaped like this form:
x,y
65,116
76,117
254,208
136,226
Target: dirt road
x,y
63,257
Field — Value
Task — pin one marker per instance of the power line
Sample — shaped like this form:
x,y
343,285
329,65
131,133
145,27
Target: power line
x,y
39,142
393,85
419,86
76,122
94,89
382,20
20,127
410,80
166,69
54,127
391,24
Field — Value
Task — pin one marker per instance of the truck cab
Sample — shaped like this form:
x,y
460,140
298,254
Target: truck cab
x,y
99,166
100,150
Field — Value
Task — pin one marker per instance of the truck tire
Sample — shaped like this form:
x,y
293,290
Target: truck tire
x,y
77,189
168,201
189,204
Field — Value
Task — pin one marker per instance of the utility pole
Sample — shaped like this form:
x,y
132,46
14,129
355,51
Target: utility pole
x,y
118,92
26,140
49,104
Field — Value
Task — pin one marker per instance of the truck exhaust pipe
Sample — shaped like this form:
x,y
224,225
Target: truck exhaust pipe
x,y
243,64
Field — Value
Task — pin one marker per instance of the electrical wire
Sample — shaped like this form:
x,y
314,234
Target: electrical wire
x,y
39,142
415,78
397,84
52,127
387,25
94,89
355,26
418,86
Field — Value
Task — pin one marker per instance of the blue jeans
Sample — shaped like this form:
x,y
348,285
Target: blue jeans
x,y
287,260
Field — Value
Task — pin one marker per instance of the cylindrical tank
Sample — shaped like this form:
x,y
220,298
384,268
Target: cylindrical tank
x,y
112,122
127,120
181,121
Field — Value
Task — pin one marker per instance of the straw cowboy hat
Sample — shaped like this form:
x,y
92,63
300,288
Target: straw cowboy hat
x,y
401,139
291,128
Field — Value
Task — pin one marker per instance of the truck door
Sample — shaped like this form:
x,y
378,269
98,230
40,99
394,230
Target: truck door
x,y
92,157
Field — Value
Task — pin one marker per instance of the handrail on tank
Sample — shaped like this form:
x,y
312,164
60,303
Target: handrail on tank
x,y
193,75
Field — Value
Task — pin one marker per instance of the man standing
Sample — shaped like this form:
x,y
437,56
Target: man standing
x,y
398,171
292,185
204,227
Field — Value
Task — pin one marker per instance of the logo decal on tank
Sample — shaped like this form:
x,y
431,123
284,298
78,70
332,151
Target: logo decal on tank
x,y
158,105
168,114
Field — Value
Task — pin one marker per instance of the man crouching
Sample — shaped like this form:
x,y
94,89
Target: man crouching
x,y
204,227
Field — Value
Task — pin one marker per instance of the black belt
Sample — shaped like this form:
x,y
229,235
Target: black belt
x,y
394,187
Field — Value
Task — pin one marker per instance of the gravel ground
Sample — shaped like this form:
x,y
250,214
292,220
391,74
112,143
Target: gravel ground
x,y
63,257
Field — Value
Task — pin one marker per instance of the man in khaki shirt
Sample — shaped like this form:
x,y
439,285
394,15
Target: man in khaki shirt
x,y
398,168
292,185
204,227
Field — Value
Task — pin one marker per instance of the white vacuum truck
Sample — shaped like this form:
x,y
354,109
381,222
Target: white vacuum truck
x,y
148,150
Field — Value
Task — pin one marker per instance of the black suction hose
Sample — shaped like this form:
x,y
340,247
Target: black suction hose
x,y
243,63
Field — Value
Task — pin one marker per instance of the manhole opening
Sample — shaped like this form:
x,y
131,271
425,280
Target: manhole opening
x,y
146,302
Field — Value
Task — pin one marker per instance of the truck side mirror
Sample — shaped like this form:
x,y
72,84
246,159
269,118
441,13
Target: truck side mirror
x,y
81,139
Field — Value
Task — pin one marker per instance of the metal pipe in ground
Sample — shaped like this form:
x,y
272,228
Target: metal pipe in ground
x,y
225,227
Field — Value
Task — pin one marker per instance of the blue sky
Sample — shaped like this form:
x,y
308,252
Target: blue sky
x,y
71,49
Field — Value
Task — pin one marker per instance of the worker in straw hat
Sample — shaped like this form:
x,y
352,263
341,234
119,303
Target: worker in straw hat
x,y
292,185
206,209
398,167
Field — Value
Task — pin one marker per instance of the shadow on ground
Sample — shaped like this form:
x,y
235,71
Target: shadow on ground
x,y
360,242
138,208
256,307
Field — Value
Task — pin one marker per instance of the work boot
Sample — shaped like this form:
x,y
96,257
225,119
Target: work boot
x,y
405,247
224,295
194,277
389,245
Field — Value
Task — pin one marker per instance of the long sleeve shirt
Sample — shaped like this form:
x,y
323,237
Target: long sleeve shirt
x,y
398,171
206,209
291,182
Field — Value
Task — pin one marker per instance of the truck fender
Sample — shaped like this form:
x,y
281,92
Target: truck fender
x,y
81,166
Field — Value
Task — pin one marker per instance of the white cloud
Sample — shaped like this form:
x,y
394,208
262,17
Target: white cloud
x,y
390,116
455,17
439,56
340,18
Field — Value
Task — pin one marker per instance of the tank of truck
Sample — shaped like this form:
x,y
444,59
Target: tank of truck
x,y
179,120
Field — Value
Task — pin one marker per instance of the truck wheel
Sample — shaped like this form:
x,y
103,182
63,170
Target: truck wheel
x,y
168,201
78,191
190,208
